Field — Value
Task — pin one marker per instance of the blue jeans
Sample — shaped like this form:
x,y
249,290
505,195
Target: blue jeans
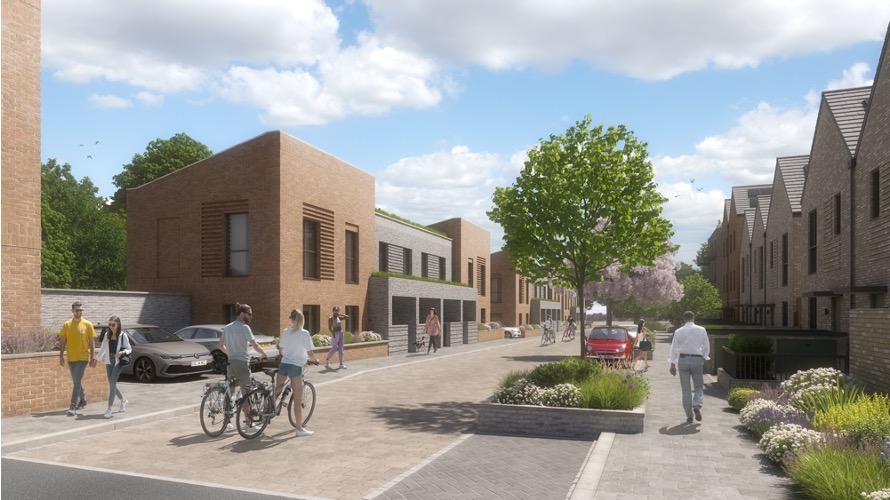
x,y
114,372
77,369
691,368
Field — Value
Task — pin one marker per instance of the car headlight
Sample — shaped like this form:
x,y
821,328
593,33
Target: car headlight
x,y
166,356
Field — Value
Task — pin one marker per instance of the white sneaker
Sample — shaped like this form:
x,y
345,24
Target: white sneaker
x,y
230,427
124,405
72,412
107,414
342,366
304,432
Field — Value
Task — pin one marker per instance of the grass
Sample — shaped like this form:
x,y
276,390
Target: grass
x,y
838,472
613,391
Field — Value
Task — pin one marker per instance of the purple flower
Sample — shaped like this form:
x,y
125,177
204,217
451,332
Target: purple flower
x,y
630,376
631,386
624,381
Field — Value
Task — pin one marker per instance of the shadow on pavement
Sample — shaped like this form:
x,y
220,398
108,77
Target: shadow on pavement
x,y
680,430
442,418
537,358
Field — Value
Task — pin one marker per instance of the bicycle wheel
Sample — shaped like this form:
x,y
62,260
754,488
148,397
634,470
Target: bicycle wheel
x,y
254,413
213,411
308,404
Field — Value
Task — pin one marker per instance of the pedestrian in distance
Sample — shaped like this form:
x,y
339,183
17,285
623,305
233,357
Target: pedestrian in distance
x,y
296,348
114,344
76,337
433,328
236,336
335,325
644,344
689,350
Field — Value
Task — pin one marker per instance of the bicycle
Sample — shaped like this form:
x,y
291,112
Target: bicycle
x,y
569,333
547,336
260,405
216,405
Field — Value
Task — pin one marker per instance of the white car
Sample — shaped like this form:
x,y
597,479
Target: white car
x,y
208,336
512,332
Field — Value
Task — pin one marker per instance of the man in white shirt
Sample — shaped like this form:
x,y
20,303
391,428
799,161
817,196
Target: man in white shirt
x,y
689,350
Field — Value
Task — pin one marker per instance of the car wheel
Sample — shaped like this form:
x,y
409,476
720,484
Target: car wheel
x,y
220,360
144,370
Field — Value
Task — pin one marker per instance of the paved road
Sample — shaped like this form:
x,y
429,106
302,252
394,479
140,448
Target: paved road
x,y
402,427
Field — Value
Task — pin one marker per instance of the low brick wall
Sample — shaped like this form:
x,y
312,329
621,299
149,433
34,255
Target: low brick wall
x,y
486,335
544,421
728,382
870,347
35,382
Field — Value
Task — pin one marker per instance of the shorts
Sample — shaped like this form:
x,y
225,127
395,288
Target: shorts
x,y
290,371
240,370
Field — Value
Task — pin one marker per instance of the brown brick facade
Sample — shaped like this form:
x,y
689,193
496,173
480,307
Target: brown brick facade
x,y
470,263
870,347
21,235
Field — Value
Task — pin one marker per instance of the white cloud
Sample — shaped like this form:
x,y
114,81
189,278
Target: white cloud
x,y
150,99
108,101
649,39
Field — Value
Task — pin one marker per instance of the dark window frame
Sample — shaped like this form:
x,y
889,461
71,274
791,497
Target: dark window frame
x,y
237,248
311,249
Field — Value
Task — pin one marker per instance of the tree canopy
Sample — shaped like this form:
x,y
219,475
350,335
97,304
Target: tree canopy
x,y
699,296
161,157
632,292
83,245
583,201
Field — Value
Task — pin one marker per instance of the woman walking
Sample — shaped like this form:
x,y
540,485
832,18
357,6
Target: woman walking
x,y
335,325
433,328
296,348
114,345
643,343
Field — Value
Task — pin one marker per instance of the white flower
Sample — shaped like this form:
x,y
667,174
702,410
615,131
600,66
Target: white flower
x,y
784,439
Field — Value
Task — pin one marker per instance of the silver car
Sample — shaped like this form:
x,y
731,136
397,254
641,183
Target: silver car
x,y
159,353
208,336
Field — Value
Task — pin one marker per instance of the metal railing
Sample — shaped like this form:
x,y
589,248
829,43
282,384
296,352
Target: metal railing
x,y
778,366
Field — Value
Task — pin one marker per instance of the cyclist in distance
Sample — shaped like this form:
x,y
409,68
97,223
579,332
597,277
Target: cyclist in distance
x,y
296,348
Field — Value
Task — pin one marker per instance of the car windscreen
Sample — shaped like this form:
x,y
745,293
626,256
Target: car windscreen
x,y
152,335
608,334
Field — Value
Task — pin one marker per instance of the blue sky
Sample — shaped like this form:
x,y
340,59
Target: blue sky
x,y
441,99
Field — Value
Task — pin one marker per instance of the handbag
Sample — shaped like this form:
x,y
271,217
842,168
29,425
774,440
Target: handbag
x,y
124,360
645,345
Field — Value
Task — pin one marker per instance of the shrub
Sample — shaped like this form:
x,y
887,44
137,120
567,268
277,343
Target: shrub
x,y
783,440
759,415
569,370
511,378
523,392
367,336
321,340
482,327
23,342
561,396
877,495
614,391
814,380
866,420
813,400
740,396
750,344
838,471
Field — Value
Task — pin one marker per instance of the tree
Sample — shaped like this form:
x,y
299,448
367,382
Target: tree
x,y
161,157
633,291
699,296
83,245
583,201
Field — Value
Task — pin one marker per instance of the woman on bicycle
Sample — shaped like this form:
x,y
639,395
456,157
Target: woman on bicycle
x,y
295,347
114,345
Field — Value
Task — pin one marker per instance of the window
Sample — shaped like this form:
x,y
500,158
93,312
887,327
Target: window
x,y
813,313
761,268
406,261
312,313
352,324
424,265
351,257
744,273
483,316
784,313
875,194
772,254
482,281
310,249
837,214
521,291
496,289
384,257
442,268
785,259
812,242
236,242
470,272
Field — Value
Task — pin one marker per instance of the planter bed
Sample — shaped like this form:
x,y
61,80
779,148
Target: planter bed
x,y
545,421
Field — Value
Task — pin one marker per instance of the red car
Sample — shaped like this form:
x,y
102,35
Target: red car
x,y
610,343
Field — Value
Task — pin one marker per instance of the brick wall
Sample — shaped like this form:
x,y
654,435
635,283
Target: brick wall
x,y
170,311
33,383
471,244
20,196
420,241
870,347
570,423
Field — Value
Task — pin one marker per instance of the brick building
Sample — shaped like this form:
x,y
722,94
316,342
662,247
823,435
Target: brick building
x,y
21,235
470,260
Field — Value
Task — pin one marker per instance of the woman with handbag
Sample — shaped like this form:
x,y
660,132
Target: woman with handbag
x,y
644,344
116,342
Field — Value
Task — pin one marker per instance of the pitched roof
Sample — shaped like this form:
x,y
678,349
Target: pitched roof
x,y
793,172
727,204
848,108
750,213
746,196
763,204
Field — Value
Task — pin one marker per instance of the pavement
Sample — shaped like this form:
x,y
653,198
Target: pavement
x,y
402,427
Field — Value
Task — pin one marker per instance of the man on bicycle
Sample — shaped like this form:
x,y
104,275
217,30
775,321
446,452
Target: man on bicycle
x,y
234,341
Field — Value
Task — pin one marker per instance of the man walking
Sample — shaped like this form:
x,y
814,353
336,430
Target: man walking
x,y
689,350
234,341
77,337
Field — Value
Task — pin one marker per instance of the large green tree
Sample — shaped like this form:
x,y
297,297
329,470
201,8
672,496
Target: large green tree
x,y
161,157
699,296
83,244
584,200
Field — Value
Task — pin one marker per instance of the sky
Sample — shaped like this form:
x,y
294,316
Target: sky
x,y
442,99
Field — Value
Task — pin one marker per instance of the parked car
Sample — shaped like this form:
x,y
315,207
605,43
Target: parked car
x,y
208,336
159,353
512,332
610,343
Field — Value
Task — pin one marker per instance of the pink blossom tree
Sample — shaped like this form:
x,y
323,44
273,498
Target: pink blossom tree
x,y
646,285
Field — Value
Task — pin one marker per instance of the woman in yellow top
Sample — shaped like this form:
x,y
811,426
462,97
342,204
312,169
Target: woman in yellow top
x,y
335,325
